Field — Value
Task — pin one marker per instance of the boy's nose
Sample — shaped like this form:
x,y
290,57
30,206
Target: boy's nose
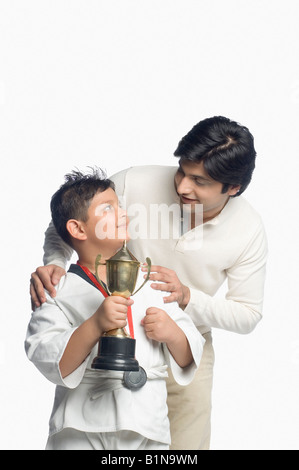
x,y
122,214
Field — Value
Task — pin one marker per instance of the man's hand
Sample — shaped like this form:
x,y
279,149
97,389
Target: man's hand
x,y
171,283
45,277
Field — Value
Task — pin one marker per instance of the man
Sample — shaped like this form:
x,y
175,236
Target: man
x,y
217,158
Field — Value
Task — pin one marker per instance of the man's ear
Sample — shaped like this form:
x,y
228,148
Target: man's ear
x,y
233,190
76,229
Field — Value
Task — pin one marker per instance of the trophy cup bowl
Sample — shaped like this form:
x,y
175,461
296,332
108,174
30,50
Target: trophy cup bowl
x,y
116,350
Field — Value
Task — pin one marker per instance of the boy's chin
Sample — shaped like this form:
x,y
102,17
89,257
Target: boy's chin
x,y
124,237
120,240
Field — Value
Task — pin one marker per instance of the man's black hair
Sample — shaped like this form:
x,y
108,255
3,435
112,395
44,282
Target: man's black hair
x,y
226,149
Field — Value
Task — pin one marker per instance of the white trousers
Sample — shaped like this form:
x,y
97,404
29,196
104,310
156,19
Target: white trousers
x,y
71,439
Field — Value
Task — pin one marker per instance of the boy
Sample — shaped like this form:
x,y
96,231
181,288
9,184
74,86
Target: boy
x,y
93,409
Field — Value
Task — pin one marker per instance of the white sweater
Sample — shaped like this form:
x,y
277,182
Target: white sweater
x,y
233,247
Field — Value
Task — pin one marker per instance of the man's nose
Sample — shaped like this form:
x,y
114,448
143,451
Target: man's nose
x,y
184,186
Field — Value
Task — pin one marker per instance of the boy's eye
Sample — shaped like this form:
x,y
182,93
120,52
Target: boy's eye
x,y
108,208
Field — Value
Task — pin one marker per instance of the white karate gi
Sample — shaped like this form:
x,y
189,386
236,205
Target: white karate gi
x,y
93,401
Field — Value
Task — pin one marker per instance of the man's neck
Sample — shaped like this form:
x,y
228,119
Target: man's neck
x,y
209,215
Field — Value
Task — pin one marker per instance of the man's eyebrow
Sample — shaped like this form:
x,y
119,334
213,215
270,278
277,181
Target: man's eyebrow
x,y
200,177
194,176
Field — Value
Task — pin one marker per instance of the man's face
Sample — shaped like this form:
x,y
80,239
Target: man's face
x,y
195,186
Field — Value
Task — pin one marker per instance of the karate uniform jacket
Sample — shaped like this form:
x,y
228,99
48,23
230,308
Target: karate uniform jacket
x,y
96,401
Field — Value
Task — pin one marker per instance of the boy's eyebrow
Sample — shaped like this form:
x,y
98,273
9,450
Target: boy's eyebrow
x,y
101,204
108,201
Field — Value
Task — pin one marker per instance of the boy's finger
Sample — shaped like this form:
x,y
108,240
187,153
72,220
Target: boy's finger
x,y
123,300
151,311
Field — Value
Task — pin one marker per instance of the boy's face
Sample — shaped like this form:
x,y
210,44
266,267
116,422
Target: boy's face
x,y
107,222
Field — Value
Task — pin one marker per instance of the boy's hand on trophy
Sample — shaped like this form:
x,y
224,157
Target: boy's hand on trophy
x,y
112,313
45,277
168,281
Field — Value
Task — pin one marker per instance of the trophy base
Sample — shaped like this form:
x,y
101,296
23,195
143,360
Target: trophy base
x,y
116,354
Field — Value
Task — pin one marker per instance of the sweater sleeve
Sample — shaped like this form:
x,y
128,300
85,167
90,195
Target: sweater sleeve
x,y
241,310
56,251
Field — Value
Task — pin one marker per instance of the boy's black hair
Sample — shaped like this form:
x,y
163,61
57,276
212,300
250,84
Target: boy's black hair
x,y
226,149
73,198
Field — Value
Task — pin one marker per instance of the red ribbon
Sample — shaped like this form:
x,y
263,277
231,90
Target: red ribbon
x,y
105,294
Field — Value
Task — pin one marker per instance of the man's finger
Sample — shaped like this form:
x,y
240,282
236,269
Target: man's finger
x,y
160,277
37,288
42,281
163,287
155,269
34,300
170,298
57,274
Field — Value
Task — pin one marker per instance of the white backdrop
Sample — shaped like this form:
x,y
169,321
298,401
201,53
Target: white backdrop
x,y
116,83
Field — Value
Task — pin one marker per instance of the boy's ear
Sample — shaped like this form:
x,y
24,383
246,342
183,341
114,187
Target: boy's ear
x,y
76,229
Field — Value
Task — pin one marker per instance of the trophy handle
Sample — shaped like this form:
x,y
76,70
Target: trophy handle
x,y
149,265
97,263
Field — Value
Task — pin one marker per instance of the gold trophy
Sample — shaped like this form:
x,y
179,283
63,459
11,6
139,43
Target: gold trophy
x,y
116,350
